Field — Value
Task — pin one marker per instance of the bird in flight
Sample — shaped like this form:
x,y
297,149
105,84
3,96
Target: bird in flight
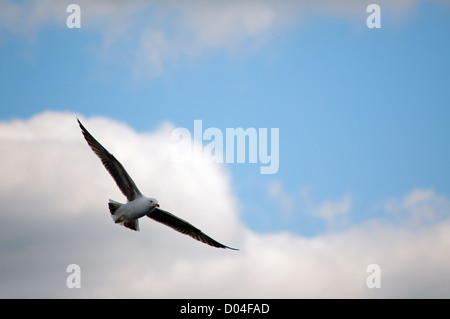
x,y
139,205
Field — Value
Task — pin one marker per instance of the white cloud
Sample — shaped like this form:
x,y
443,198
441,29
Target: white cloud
x,y
155,33
285,201
334,213
330,210
421,205
218,24
53,195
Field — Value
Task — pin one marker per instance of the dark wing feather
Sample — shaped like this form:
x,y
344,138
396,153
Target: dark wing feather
x,y
183,227
117,171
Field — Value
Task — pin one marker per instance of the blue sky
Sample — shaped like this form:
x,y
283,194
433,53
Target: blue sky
x,y
362,112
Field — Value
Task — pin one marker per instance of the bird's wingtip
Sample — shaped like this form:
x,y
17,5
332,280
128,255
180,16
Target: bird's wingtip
x,y
81,125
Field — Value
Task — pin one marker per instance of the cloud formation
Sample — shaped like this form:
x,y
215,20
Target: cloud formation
x,y
156,33
53,194
333,212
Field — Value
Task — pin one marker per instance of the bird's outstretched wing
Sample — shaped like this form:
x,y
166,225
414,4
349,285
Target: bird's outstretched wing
x,y
184,227
117,171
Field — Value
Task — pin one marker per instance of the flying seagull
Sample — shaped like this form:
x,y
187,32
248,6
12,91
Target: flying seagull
x,y
139,205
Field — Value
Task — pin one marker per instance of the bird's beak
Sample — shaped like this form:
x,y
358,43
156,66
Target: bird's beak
x,y
156,205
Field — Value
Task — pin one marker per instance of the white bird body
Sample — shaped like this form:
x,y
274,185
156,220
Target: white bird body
x,y
128,214
135,209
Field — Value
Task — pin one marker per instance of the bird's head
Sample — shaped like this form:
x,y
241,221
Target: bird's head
x,y
154,202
